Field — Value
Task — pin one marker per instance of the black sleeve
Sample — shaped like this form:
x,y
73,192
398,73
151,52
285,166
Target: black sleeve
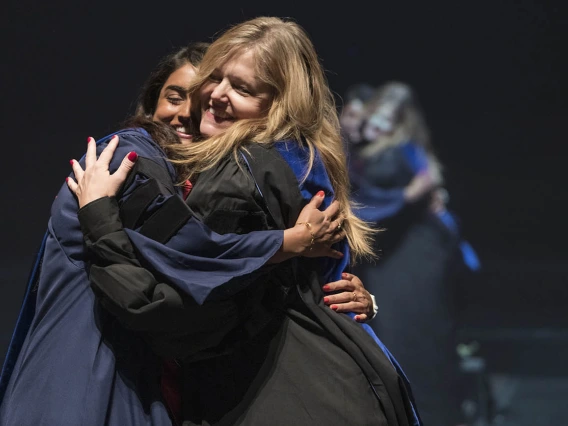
x,y
171,321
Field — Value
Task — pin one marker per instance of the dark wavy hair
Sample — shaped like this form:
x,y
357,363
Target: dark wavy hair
x,y
147,100
362,91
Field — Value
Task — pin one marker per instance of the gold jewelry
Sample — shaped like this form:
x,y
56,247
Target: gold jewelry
x,y
354,296
339,226
309,226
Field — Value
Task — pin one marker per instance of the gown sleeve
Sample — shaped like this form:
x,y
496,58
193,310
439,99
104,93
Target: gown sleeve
x,y
172,321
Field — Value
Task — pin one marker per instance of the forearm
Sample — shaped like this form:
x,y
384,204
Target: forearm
x,y
131,292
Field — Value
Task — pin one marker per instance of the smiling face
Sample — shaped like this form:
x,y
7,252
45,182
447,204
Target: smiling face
x,y
382,122
233,92
173,103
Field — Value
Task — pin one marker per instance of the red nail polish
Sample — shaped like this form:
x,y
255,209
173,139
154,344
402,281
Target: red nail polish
x,y
326,287
71,162
325,299
132,156
67,179
320,194
344,275
89,139
334,307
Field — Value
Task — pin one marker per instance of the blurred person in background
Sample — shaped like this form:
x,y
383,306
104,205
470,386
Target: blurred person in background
x,y
353,111
398,183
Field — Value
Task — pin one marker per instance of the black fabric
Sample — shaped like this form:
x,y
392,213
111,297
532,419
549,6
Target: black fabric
x,y
279,187
307,360
149,168
169,320
413,282
165,222
133,209
283,203
162,224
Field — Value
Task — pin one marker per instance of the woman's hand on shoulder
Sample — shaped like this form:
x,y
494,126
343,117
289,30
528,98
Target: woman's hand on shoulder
x,y
96,181
349,295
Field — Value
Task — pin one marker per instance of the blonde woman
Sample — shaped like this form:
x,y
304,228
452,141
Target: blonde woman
x,y
268,140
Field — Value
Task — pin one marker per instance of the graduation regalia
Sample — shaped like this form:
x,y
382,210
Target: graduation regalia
x,y
73,363
288,358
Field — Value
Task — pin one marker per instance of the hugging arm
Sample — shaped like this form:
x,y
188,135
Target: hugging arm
x,y
171,319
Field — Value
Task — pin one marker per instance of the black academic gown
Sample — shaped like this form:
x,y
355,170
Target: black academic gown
x,y
292,360
285,357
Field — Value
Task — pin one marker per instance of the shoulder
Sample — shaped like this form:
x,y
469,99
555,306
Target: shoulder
x,y
135,139
269,162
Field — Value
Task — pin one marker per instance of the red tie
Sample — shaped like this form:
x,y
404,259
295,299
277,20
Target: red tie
x,y
186,188
171,389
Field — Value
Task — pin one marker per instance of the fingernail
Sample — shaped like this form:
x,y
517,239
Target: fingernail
x,y
71,162
344,275
325,299
132,156
320,194
67,179
326,287
357,318
334,307
89,139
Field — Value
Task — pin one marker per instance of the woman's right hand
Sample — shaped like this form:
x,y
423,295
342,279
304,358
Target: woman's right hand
x,y
96,181
315,231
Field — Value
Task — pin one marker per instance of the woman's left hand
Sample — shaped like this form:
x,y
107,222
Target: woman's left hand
x,y
96,181
349,296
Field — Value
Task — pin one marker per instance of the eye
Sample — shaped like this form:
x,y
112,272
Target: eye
x,y
243,89
175,100
215,78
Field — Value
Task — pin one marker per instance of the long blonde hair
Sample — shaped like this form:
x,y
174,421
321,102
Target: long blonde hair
x,y
303,109
409,123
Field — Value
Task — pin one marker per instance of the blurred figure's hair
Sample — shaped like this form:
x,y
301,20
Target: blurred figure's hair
x,y
361,91
409,122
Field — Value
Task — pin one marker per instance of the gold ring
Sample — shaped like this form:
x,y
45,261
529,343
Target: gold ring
x,y
354,296
339,226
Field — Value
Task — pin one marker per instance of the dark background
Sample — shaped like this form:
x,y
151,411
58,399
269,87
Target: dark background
x,y
491,78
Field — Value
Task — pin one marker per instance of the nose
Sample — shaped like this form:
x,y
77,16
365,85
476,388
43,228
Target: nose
x,y
219,93
184,112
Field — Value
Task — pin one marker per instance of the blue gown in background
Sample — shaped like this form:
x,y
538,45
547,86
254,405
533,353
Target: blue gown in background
x,y
422,256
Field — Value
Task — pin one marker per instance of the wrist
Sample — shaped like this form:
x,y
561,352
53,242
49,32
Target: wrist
x,y
297,240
